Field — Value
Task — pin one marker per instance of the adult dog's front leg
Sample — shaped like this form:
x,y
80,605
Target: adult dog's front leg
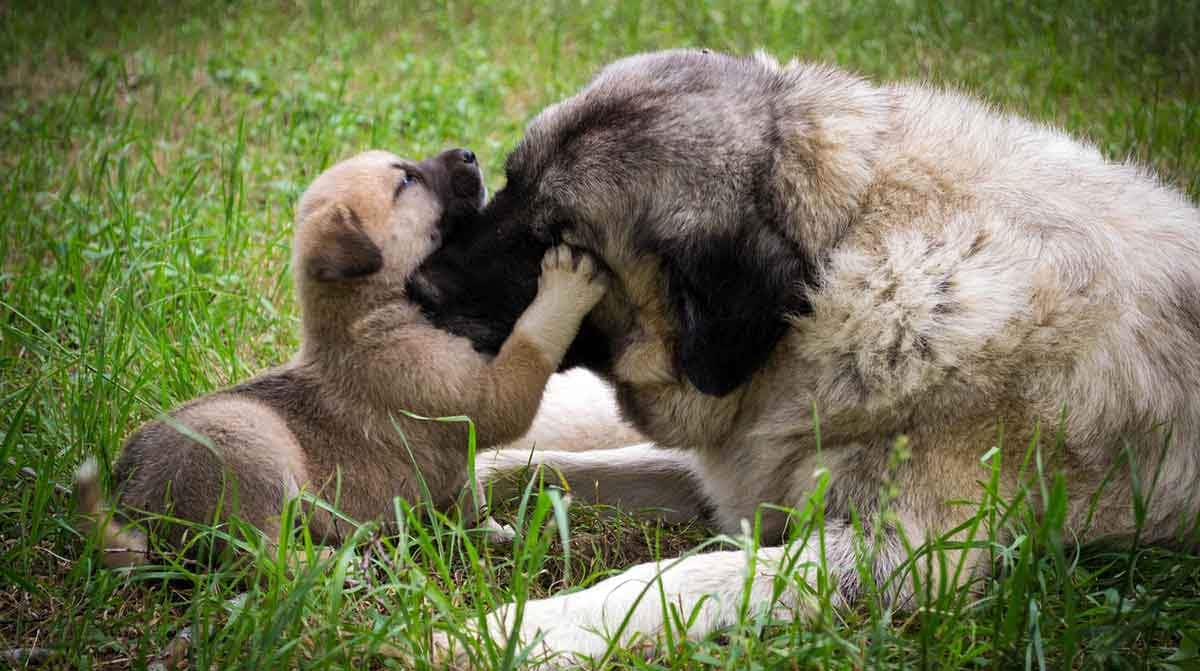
x,y
711,591
638,478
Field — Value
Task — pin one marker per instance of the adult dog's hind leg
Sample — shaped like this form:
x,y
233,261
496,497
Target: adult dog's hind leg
x,y
635,478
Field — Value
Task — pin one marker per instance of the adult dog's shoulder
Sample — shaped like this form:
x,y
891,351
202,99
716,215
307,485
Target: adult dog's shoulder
x,y
989,248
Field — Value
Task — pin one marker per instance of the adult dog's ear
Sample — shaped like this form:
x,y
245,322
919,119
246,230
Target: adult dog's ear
x,y
337,246
731,295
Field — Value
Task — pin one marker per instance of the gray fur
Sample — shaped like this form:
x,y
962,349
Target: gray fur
x,y
953,269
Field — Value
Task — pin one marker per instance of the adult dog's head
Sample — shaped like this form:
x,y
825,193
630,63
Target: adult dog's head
x,y
710,185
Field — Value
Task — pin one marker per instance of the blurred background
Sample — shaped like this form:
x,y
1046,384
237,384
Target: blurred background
x,y
313,78
180,134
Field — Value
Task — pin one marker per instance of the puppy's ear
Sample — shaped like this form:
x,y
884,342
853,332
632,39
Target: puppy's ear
x,y
731,295
338,247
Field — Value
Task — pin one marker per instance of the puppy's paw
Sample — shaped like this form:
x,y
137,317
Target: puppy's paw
x,y
573,273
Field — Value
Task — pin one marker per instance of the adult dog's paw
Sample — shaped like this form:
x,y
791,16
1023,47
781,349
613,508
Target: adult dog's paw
x,y
557,640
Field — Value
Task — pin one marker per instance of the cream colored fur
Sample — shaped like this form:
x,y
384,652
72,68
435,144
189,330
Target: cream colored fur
x,y
977,271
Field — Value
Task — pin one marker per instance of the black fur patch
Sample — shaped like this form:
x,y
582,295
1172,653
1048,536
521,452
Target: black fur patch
x,y
731,294
485,276
482,279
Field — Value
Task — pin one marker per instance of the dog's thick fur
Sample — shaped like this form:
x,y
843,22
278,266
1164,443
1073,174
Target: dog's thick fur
x,y
327,422
792,242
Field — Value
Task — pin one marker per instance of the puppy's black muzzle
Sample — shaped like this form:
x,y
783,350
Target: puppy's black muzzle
x,y
454,175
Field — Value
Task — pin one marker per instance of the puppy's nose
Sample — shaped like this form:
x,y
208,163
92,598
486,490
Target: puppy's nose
x,y
468,156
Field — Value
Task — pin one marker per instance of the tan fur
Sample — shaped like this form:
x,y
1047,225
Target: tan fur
x,y
331,421
975,272
978,268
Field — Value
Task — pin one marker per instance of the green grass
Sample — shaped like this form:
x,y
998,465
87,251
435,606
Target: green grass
x,y
151,159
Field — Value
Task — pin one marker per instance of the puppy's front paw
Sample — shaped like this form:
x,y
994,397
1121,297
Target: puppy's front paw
x,y
573,273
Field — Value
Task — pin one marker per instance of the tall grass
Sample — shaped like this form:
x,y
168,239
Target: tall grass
x,y
153,154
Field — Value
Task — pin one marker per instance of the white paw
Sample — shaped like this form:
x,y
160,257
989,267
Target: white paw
x,y
563,643
497,534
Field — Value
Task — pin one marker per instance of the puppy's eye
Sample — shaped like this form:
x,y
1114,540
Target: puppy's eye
x,y
406,181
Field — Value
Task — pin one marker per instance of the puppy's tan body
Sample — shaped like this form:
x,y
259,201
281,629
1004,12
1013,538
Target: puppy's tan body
x,y
332,421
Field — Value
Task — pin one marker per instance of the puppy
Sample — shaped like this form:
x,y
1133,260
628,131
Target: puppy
x,y
332,421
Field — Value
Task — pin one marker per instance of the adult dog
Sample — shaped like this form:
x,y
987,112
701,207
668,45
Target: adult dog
x,y
808,265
